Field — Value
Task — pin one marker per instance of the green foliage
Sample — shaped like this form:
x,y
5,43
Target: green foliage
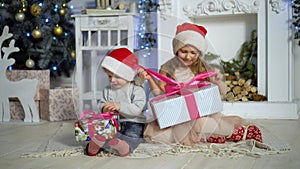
x,y
245,62
210,58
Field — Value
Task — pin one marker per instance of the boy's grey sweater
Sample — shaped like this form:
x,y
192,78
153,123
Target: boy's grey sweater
x,y
132,99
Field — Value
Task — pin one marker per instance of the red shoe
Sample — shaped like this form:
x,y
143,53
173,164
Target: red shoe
x,y
253,132
216,139
121,146
239,134
95,144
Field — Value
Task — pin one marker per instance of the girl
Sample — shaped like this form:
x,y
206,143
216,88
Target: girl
x,y
189,46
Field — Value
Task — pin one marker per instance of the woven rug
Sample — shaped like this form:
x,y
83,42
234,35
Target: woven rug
x,y
63,144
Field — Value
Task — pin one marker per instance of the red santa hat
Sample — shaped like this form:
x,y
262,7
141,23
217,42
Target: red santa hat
x,y
121,62
190,34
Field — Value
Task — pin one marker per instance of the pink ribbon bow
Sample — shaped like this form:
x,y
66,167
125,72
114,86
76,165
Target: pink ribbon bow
x,y
173,86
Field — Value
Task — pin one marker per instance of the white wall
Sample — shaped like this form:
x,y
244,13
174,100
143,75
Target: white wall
x,y
80,5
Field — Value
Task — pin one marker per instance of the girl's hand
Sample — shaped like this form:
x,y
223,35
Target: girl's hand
x,y
111,107
217,79
144,74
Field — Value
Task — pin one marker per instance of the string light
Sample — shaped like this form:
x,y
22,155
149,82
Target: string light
x,y
54,67
55,8
146,39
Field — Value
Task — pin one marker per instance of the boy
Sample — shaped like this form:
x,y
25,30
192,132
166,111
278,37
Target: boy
x,y
122,95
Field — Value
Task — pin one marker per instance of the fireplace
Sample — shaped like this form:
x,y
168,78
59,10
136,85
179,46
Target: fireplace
x,y
229,24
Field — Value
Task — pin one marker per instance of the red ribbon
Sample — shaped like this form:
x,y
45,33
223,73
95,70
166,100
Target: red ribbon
x,y
90,115
173,87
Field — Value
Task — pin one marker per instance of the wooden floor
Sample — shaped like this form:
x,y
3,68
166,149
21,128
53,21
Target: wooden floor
x,y
17,139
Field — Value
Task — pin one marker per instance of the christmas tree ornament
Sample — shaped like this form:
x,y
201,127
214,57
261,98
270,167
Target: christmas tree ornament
x,y
58,30
36,33
64,5
24,9
62,11
35,10
29,63
2,4
20,16
73,54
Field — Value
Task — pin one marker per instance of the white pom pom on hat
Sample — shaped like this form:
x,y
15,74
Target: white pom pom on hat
x,y
190,34
121,62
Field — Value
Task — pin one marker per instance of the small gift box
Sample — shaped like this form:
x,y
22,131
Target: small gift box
x,y
185,101
63,104
176,109
92,124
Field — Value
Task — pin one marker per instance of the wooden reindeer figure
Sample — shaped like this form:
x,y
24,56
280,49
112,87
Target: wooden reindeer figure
x,y
24,89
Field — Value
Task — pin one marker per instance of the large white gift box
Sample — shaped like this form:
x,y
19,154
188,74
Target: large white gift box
x,y
195,103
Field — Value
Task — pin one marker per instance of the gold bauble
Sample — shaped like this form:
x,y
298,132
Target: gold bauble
x,y
20,16
24,9
121,6
58,30
73,54
29,63
35,10
36,33
64,5
62,11
2,4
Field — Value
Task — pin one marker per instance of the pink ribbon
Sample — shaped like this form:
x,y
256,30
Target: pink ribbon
x,y
91,116
173,87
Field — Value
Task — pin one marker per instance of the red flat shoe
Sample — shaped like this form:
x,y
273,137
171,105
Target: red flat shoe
x,y
239,134
95,144
121,146
253,132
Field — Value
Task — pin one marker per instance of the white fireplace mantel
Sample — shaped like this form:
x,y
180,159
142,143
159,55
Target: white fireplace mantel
x,y
274,61
211,7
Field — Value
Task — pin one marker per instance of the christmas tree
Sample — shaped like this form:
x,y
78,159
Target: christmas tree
x,y
296,19
43,31
147,39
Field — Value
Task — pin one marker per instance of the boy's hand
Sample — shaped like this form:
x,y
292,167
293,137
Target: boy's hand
x,y
111,107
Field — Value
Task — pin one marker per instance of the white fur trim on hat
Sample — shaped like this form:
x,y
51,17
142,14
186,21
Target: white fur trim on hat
x,y
118,68
189,38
